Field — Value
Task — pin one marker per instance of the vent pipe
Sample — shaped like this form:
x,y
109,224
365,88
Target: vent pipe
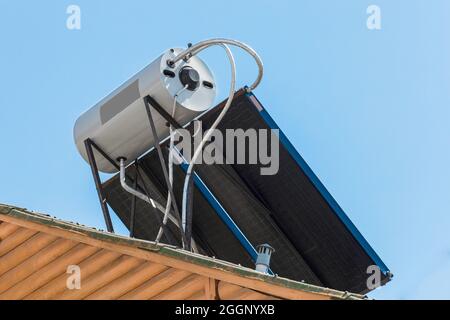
x,y
263,261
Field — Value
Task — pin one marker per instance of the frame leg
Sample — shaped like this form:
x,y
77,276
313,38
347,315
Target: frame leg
x,y
98,185
147,102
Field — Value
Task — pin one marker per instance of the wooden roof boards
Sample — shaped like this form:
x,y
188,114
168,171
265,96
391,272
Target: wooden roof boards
x,y
36,250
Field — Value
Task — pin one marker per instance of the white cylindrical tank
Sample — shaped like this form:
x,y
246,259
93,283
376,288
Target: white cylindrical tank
x,y
119,123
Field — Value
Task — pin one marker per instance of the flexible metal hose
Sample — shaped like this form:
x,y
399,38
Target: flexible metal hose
x,y
171,147
209,132
195,49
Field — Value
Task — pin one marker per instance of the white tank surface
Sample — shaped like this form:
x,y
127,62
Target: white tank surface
x,y
119,124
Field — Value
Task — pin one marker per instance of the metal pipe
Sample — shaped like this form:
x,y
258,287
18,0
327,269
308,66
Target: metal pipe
x,y
147,199
133,201
143,197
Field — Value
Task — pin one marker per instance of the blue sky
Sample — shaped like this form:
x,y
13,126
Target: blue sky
x,y
374,102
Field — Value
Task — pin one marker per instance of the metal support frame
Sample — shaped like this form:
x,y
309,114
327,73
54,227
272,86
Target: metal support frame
x,y
90,146
149,101
98,184
152,102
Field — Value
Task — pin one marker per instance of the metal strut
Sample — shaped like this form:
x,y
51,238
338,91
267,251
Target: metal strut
x,y
88,143
149,101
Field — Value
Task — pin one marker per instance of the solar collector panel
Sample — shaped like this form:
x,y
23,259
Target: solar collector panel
x,y
286,210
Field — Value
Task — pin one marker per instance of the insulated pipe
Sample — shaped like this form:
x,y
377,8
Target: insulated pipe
x,y
154,203
195,49
208,135
172,144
